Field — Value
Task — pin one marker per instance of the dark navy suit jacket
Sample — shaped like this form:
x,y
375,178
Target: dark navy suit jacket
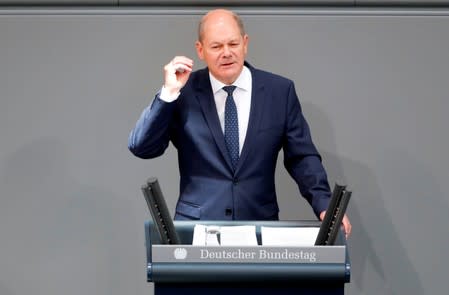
x,y
209,188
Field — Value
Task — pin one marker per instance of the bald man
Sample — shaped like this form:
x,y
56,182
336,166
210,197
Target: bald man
x,y
229,122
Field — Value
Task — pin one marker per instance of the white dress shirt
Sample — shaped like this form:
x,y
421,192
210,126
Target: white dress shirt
x,y
242,98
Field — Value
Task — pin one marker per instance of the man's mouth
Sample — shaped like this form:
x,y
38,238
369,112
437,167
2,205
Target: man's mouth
x,y
227,64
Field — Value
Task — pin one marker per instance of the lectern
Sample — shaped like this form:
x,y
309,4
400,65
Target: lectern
x,y
216,270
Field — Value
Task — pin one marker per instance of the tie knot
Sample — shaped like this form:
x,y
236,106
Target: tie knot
x,y
229,89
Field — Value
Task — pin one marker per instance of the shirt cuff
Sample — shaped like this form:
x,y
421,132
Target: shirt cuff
x,y
165,96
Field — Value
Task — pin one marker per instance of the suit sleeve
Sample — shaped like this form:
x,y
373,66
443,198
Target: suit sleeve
x,y
301,158
151,135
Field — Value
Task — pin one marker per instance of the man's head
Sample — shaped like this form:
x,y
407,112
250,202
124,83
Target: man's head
x,y
222,44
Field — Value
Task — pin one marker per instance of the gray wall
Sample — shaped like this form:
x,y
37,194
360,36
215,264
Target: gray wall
x,y
374,87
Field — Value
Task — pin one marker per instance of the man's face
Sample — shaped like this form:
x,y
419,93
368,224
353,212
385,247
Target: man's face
x,y
223,48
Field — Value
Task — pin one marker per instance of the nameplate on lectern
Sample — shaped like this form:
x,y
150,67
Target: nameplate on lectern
x,y
258,254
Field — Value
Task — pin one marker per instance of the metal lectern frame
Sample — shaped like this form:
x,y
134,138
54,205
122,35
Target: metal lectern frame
x,y
178,276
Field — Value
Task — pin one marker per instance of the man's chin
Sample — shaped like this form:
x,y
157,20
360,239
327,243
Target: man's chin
x,y
230,73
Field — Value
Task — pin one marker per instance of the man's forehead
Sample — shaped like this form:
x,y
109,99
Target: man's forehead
x,y
221,33
222,39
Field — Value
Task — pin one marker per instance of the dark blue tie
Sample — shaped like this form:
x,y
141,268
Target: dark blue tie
x,y
231,126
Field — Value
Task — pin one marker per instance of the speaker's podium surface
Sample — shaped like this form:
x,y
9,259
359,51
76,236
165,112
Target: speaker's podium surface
x,y
215,270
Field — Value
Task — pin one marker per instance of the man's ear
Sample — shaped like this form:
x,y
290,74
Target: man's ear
x,y
245,43
199,49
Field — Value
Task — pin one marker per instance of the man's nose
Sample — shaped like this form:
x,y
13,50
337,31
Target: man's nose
x,y
226,51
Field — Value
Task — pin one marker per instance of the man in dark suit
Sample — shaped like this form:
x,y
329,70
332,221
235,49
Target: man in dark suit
x,y
228,122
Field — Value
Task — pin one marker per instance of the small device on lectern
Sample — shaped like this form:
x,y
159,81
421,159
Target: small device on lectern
x,y
158,208
330,226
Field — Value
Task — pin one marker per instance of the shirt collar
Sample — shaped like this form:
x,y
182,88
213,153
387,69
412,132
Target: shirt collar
x,y
243,81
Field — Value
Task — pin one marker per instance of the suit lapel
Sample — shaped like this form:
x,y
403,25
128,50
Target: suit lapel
x,y
206,100
255,115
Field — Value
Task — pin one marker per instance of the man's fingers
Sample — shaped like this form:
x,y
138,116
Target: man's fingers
x,y
181,64
347,226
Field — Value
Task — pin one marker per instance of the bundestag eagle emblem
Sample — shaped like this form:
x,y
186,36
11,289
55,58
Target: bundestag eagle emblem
x,y
180,253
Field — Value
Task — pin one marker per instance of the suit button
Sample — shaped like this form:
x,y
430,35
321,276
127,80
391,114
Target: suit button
x,y
235,181
228,211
